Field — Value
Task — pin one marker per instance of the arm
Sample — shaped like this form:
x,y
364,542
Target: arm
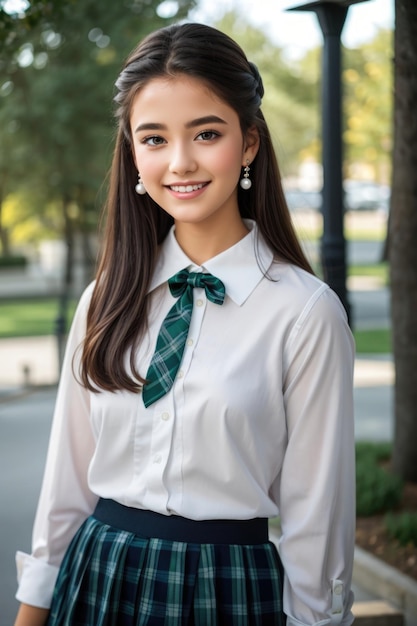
x,y
65,500
31,616
317,486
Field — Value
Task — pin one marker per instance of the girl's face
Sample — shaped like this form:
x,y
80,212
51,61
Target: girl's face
x,y
189,149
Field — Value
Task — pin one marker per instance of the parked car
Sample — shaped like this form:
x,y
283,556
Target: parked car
x,y
299,200
359,196
366,196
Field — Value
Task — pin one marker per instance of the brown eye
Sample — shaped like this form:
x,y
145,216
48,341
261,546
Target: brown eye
x,y
208,135
155,140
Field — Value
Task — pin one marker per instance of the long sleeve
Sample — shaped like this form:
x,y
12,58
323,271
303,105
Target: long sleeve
x,y
65,499
317,486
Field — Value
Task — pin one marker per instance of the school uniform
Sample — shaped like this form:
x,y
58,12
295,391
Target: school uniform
x,y
258,423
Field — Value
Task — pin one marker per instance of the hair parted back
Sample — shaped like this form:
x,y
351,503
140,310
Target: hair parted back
x,y
136,225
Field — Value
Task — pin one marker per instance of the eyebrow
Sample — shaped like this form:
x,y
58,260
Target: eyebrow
x,y
200,121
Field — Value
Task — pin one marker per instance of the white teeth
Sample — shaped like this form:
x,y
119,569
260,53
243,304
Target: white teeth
x,y
186,188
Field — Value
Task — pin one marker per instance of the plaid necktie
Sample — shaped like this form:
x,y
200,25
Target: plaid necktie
x,y
174,330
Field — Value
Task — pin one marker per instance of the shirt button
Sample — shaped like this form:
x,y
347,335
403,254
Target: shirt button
x,y
180,374
190,342
165,416
199,303
157,458
338,589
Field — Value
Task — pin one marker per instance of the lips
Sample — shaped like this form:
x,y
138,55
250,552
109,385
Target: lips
x,y
187,188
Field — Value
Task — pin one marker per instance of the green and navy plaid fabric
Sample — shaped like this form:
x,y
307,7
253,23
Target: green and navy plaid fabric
x,y
174,330
111,577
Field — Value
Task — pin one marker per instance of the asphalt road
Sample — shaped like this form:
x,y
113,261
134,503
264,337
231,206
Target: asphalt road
x,y
24,431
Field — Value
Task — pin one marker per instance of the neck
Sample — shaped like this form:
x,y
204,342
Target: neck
x,y
201,243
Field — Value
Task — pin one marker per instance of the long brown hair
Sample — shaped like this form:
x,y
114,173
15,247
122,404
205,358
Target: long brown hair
x,y
136,225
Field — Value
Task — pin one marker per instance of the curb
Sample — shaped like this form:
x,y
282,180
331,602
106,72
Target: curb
x,y
9,394
384,581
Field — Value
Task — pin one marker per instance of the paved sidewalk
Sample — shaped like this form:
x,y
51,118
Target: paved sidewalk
x,y
28,361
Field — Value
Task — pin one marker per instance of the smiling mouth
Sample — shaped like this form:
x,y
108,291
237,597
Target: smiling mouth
x,y
187,188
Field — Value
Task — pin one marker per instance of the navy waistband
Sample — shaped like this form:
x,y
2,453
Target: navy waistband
x,y
148,524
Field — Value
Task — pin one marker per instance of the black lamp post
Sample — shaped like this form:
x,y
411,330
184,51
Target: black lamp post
x,y
331,15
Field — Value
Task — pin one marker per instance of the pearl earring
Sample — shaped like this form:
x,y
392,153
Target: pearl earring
x,y
140,187
246,182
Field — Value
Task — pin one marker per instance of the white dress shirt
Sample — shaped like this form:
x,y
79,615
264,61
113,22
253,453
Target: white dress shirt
x,y
259,423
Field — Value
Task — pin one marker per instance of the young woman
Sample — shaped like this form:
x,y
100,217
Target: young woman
x,y
207,384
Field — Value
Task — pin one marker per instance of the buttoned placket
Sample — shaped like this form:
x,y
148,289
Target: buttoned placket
x,y
167,442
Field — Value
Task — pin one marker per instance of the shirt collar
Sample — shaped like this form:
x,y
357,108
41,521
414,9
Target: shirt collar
x,y
240,267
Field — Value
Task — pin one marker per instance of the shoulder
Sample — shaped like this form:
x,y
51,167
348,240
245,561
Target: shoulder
x,y
85,299
317,329
81,312
318,316
304,294
305,308
86,295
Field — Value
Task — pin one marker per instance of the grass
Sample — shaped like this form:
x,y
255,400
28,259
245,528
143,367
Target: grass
x,y
373,341
312,230
377,270
313,234
36,317
356,233
376,341
31,317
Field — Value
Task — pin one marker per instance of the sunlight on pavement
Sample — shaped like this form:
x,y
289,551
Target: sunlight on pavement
x,y
373,373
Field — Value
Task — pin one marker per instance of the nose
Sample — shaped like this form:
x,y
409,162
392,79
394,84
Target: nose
x,y
182,160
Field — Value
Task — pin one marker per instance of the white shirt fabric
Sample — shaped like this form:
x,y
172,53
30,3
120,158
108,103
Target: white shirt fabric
x,y
259,423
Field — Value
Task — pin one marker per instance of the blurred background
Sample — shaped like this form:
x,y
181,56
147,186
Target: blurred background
x,y
58,63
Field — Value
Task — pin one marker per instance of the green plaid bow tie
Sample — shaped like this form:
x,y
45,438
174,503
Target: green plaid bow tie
x,y
174,330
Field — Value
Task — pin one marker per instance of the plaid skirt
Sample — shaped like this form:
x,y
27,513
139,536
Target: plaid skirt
x,y
114,577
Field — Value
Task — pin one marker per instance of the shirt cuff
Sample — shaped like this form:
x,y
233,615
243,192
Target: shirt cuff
x,y
337,611
292,621
36,581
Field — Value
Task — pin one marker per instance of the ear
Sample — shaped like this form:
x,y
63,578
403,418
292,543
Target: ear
x,y
251,145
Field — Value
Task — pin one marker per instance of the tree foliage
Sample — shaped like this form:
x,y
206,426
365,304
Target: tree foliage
x,y
17,25
60,61
368,79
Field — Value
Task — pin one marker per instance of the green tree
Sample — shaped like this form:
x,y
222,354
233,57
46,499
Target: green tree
x,y
367,79
59,84
367,105
60,61
11,148
17,25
